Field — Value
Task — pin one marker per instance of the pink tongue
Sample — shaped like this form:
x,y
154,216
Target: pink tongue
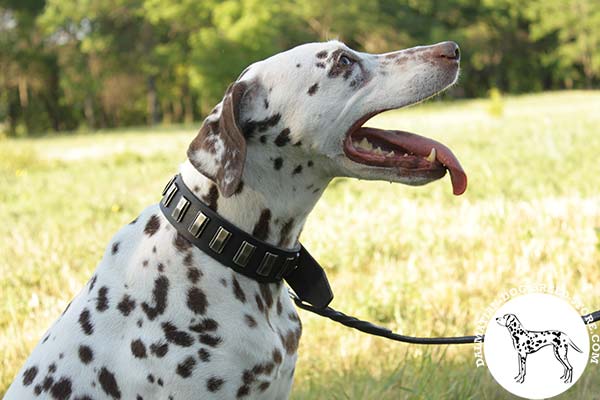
x,y
422,146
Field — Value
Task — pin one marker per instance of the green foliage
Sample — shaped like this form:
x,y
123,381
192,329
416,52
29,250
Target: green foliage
x,y
99,63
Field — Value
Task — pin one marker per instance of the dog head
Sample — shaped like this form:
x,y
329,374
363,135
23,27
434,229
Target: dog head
x,y
508,320
310,103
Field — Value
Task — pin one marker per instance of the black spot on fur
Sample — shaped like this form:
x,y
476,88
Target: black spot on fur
x,y
283,138
150,378
322,54
261,229
159,381
313,89
279,306
109,383
298,65
320,65
263,139
86,355
115,248
52,368
159,349
102,299
310,163
181,243
196,300
92,283
278,163
206,325
84,321
29,375
251,126
126,305
297,170
298,143
212,197
61,390
285,232
184,369
277,357
243,391
152,225
175,336
266,103
250,321
266,294
194,274
238,292
138,348
159,296
209,340
259,303
214,384
204,355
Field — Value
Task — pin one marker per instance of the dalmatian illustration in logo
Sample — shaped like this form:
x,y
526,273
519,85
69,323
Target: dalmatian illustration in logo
x,y
527,342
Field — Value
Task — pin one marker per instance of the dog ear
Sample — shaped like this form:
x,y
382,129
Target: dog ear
x,y
219,149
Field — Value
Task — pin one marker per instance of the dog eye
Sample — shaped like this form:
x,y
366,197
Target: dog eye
x,y
345,60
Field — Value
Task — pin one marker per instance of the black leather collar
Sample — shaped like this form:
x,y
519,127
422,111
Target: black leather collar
x,y
240,251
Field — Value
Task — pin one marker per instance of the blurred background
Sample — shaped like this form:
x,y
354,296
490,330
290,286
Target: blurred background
x,y
95,64
99,100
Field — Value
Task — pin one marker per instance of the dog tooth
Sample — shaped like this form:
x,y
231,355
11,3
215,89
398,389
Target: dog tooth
x,y
378,151
365,144
431,156
405,155
356,144
390,154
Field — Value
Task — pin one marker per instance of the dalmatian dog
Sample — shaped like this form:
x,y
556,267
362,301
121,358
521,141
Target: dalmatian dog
x,y
528,342
160,319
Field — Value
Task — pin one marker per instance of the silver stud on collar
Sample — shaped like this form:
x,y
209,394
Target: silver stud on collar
x,y
180,209
288,266
169,194
267,264
168,184
199,224
218,241
243,254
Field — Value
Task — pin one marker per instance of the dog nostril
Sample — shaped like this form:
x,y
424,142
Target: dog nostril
x,y
457,54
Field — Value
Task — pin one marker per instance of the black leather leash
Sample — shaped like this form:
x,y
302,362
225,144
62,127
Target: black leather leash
x,y
266,263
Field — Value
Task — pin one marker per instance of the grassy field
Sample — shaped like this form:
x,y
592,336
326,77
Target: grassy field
x,y
415,259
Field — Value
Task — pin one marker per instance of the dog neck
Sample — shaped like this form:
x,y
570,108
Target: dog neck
x,y
270,204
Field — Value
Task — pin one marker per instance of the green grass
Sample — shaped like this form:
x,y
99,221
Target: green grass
x,y
418,260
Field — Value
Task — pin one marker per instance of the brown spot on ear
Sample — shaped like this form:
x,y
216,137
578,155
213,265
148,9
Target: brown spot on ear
x,y
261,229
322,54
283,138
285,232
278,163
313,89
152,225
211,197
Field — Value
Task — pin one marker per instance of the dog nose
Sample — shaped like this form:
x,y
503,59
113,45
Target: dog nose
x,y
449,50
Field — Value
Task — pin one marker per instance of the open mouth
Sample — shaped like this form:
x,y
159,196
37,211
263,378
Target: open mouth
x,y
410,155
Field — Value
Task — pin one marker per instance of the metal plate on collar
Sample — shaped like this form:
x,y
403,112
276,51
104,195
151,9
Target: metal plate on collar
x,y
243,254
288,266
170,194
267,264
198,224
218,241
180,209
168,184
